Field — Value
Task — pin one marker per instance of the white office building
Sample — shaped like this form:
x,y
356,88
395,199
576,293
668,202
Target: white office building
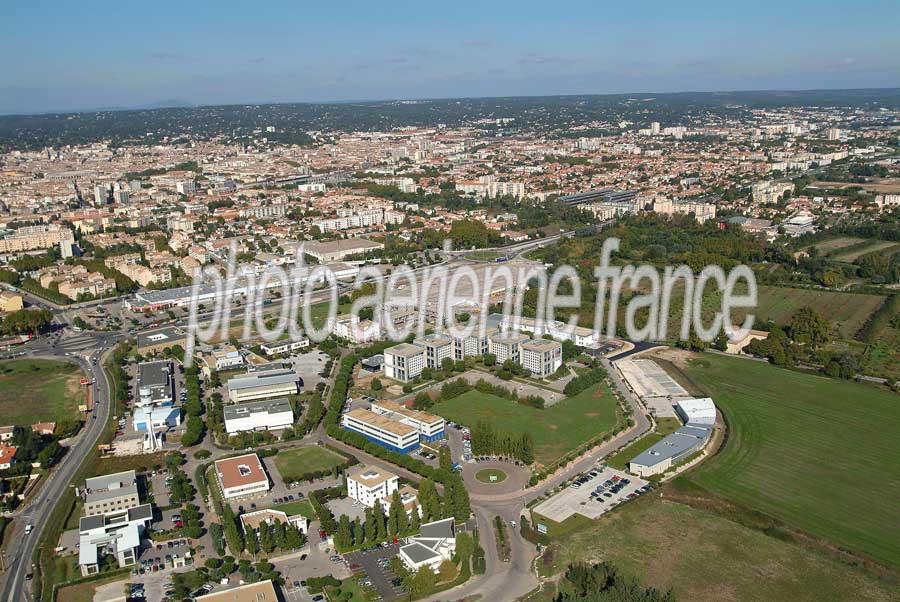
x,y
437,347
506,346
540,356
369,484
404,362
263,385
394,435
429,426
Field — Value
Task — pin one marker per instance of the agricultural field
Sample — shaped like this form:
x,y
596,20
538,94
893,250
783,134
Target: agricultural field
x,y
828,247
556,430
815,453
704,557
35,390
292,464
856,251
847,311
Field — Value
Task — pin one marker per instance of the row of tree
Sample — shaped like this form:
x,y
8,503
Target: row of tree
x,y
487,441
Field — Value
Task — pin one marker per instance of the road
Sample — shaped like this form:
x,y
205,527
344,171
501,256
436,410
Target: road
x,y
37,511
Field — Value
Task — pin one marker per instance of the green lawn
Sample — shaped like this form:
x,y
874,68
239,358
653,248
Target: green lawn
x,y
555,430
490,475
703,557
301,507
38,390
816,453
292,464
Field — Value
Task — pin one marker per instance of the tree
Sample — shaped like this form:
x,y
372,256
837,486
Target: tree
x,y
252,542
421,582
380,523
526,449
445,460
344,537
266,542
447,365
217,534
430,501
232,533
397,523
808,327
376,384
490,359
370,527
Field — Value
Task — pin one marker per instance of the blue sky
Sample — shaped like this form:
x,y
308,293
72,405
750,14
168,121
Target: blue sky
x,y
68,55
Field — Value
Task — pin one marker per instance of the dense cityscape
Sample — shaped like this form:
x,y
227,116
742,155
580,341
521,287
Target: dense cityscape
x,y
684,388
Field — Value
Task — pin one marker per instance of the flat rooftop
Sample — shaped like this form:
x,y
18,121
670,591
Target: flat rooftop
x,y
241,470
268,406
263,379
382,422
404,350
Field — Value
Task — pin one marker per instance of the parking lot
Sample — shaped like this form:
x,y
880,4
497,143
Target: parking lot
x,y
592,494
375,564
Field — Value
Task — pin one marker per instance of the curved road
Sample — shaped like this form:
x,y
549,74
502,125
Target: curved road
x,y
16,588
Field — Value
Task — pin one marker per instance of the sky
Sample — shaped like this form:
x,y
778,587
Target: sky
x,y
80,55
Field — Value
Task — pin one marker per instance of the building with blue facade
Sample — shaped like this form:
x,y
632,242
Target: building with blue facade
x,y
395,436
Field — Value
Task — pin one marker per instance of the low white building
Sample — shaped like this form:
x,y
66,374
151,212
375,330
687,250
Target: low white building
x,y
241,476
253,520
696,411
369,484
263,385
435,543
279,347
392,434
429,426
265,415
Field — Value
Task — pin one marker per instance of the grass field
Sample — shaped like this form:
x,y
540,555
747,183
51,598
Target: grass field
x,y
703,557
302,507
816,453
84,592
292,464
491,475
555,430
39,390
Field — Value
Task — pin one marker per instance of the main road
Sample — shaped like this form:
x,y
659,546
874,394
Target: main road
x,y
37,511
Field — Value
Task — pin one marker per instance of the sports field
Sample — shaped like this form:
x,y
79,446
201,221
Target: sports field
x,y
38,390
292,464
703,557
555,430
819,454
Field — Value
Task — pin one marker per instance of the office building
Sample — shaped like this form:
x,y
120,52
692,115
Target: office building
x,y
435,543
241,476
429,426
369,484
395,436
437,347
118,534
541,357
110,493
506,346
404,362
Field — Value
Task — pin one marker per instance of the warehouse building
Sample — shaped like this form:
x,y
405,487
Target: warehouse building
x,y
404,362
388,433
696,411
263,385
261,591
337,250
429,426
670,450
241,476
265,415
370,484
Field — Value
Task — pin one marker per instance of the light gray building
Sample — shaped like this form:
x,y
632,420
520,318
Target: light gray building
x,y
110,493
